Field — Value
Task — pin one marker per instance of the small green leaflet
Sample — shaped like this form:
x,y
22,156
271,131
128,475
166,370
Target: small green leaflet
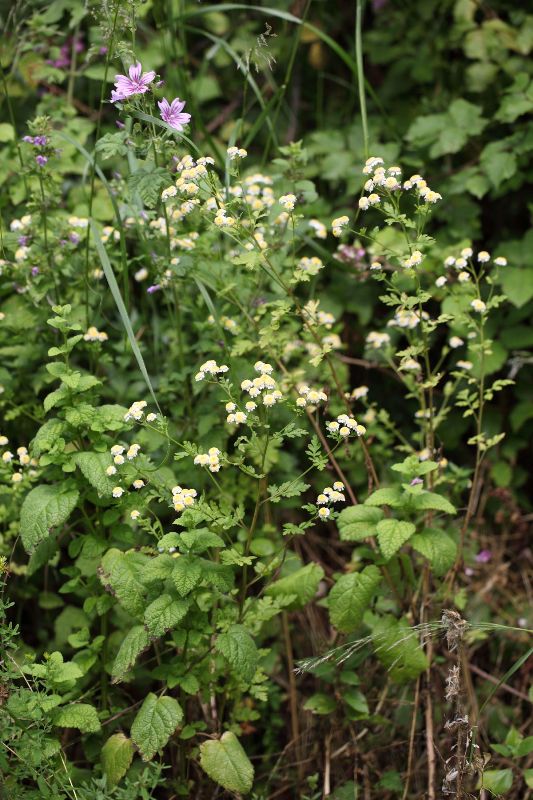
x,y
186,574
78,715
134,643
426,501
351,596
43,508
392,533
225,761
164,613
155,723
301,585
437,546
238,647
288,489
117,755
386,497
357,523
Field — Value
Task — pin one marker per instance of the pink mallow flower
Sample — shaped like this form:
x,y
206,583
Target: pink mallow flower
x,y
136,82
172,113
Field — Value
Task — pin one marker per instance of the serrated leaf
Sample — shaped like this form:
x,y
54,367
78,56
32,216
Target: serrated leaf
x,y
93,467
238,647
287,489
351,596
358,522
134,643
392,533
155,723
121,574
186,574
435,545
397,646
78,715
47,436
199,540
426,501
164,613
226,762
117,755
302,585
147,183
386,497
44,508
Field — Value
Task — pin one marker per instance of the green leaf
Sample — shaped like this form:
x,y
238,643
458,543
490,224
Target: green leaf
x,y
358,522
186,574
133,644
320,703
48,436
386,497
497,781
155,723
117,755
397,646
7,132
350,596
302,585
93,467
225,761
43,508
435,545
164,613
121,574
392,533
148,183
238,647
288,489
517,283
199,540
78,715
425,501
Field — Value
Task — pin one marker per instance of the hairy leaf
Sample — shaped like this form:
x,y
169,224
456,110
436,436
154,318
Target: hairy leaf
x,y
155,723
238,647
44,508
351,596
226,762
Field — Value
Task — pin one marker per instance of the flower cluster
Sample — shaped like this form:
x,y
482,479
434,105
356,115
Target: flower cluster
x,y
94,335
210,368
236,417
329,496
288,201
307,267
344,426
310,397
377,340
210,459
135,411
22,457
183,498
263,383
236,152
388,180
319,228
338,225
315,316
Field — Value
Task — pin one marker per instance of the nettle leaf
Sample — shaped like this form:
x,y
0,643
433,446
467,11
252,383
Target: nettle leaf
x,y
226,763
148,183
155,723
386,497
44,508
164,613
93,467
78,715
134,643
117,755
121,574
358,522
398,648
186,574
392,533
301,585
158,569
238,647
426,501
350,596
438,547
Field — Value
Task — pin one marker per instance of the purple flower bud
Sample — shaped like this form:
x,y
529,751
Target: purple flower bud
x,y
469,572
152,289
41,160
74,238
119,124
28,139
34,271
483,557
23,240
416,482
40,141
103,50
